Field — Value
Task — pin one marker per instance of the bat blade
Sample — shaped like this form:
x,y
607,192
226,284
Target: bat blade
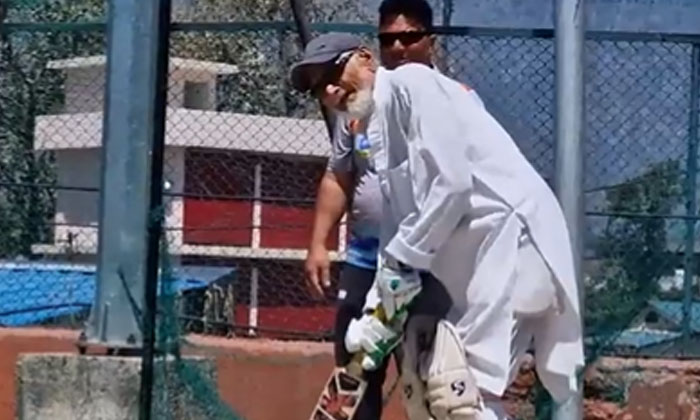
x,y
345,388
340,397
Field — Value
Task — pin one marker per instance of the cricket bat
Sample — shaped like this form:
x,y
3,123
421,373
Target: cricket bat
x,y
344,389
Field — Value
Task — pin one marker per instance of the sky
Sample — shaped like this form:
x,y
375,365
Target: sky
x,y
623,15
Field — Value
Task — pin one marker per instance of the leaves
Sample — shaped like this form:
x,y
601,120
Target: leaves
x,y
29,89
634,251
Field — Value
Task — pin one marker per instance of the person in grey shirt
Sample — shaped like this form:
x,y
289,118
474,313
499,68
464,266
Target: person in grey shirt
x,y
350,183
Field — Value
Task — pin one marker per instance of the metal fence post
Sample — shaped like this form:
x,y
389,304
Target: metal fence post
x,y
132,148
691,194
301,21
569,129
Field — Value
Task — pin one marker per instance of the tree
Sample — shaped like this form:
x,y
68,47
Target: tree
x,y
263,55
634,248
29,89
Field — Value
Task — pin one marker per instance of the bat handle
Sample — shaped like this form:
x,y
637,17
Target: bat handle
x,y
355,366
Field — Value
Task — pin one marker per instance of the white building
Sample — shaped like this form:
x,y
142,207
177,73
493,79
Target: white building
x,y
220,168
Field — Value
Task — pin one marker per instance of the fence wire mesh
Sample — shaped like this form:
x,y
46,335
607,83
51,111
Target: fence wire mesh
x,y
244,155
49,175
641,182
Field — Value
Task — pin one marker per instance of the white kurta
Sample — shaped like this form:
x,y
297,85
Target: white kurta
x,y
460,200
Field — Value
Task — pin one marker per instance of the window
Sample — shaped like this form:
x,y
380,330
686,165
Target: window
x,y
197,95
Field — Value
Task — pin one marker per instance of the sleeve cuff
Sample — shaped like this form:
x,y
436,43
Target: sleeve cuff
x,y
339,165
408,255
372,300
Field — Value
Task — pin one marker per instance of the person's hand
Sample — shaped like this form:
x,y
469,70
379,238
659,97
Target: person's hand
x,y
372,337
318,270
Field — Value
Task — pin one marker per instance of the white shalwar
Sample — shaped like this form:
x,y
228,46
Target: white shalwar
x,y
461,201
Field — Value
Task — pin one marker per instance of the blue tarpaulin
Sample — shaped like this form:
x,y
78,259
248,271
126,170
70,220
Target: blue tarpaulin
x,y
31,293
672,311
641,337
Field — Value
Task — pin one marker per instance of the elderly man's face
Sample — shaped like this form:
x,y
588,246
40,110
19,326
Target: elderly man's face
x,y
346,86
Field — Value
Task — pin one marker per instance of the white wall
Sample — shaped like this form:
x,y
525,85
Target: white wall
x,y
84,90
174,174
77,212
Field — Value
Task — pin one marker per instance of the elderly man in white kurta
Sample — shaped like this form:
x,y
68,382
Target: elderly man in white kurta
x,y
462,203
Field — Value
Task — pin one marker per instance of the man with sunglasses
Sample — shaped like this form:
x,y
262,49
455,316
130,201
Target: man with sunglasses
x,y
468,230
405,28
405,33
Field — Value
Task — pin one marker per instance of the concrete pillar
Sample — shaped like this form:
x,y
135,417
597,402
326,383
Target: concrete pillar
x,y
63,386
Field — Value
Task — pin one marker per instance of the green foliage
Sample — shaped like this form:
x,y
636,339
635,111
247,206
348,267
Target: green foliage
x,y
52,11
610,298
634,250
29,89
262,56
269,10
641,243
632,254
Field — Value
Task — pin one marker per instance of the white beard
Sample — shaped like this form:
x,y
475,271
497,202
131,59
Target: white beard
x,y
362,105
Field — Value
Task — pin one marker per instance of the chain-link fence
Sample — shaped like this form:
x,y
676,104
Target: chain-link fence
x,y
641,183
244,155
640,171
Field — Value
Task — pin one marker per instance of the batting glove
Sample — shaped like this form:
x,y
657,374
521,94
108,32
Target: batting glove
x,y
398,285
372,337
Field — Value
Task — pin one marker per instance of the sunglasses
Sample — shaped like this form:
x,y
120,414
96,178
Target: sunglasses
x,y
387,39
331,74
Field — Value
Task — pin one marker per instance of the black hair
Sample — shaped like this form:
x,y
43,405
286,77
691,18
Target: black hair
x,y
416,10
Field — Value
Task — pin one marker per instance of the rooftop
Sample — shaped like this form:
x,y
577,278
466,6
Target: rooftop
x,y
196,128
672,311
175,64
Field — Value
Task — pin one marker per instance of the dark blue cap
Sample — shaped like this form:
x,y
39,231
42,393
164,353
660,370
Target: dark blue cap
x,y
322,49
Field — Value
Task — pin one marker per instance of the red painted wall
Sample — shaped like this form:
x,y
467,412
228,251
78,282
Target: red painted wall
x,y
214,216
284,301
217,208
307,319
289,226
218,222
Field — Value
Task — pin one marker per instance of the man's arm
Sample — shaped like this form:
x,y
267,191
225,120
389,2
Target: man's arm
x,y
435,125
332,198
331,203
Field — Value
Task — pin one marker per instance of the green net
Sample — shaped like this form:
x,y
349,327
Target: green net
x,y
184,387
